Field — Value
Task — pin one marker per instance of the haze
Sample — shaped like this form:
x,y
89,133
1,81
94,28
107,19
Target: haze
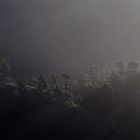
x,y
56,36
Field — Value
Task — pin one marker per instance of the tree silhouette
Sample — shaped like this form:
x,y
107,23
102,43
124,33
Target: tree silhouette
x,y
5,70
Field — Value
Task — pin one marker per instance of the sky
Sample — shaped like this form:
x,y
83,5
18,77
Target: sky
x,y
56,36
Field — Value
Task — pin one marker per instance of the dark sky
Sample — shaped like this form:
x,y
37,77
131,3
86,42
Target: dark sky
x,y
56,36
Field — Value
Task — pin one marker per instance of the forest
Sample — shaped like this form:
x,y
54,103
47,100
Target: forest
x,y
103,105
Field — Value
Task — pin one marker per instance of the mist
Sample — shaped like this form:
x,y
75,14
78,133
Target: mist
x,y
51,36
50,85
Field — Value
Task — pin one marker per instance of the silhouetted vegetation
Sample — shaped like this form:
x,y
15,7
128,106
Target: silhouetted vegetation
x,y
104,105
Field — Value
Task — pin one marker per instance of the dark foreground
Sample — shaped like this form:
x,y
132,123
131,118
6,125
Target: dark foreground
x,y
105,107
30,117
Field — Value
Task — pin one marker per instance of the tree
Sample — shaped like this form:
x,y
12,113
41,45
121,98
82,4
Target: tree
x,y
41,83
120,68
93,74
66,90
97,76
5,70
132,67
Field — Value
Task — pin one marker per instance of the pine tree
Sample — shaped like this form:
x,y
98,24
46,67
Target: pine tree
x,y
5,70
41,83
